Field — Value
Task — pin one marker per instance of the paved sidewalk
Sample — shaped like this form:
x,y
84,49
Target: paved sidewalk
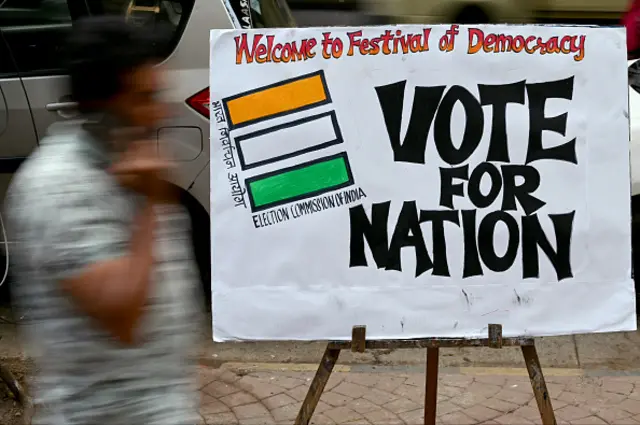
x,y
264,394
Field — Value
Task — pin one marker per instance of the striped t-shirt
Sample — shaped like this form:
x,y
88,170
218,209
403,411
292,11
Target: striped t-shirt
x,y
66,212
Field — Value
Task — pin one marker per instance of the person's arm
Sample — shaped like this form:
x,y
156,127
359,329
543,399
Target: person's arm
x,y
85,241
114,292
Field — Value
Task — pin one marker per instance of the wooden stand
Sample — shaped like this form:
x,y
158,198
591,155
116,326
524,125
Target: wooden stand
x,y
359,343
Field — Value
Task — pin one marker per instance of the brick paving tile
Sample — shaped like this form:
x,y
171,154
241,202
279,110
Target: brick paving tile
x,y
321,420
220,389
285,413
238,399
258,387
481,413
527,412
514,397
413,417
278,401
334,380
401,405
249,411
468,399
554,389
389,384
462,381
274,397
511,419
457,418
342,415
379,397
524,386
611,399
572,398
447,407
362,405
383,417
557,404
364,379
449,390
213,406
572,413
299,393
591,420
613,415
631,406
484,389
411,392
441,397
335,400
262,420
358,422
617,386
500,405
351,390
321,407
222,419
416,381
287,382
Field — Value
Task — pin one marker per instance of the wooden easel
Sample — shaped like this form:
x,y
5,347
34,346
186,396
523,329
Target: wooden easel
x,y
359,343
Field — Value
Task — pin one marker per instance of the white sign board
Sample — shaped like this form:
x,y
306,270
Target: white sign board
x,y
424,181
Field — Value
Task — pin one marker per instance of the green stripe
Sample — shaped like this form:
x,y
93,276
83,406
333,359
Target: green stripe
x,y
298,182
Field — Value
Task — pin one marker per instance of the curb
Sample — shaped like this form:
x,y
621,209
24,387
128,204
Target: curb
x,y
309,367
250,367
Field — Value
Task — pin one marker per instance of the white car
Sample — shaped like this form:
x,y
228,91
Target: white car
x,y
34,94
634,122
634,135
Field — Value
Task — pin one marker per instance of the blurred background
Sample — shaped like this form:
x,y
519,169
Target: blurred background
x,y
354,12
350,12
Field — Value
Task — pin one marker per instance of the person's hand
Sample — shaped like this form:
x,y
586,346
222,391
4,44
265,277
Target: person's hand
x,y
141,169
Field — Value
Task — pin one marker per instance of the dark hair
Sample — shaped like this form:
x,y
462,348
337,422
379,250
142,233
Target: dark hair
x,y
101,51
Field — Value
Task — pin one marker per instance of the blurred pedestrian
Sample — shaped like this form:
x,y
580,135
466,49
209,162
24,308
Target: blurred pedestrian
x,y
103,262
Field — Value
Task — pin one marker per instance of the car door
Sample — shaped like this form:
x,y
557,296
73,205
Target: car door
x,y
634,124
35,32
17,134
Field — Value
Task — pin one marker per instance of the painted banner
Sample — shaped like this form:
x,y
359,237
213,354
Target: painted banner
x,y
424,181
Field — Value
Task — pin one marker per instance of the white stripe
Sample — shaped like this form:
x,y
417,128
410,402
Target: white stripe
x,y
288,140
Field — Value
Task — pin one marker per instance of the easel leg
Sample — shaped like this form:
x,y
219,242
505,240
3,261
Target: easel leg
x,y
431,386
312,398
538,384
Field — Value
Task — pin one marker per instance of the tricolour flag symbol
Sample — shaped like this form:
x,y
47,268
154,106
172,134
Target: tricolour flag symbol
x,y
285,140
288,140
285,97
299,182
